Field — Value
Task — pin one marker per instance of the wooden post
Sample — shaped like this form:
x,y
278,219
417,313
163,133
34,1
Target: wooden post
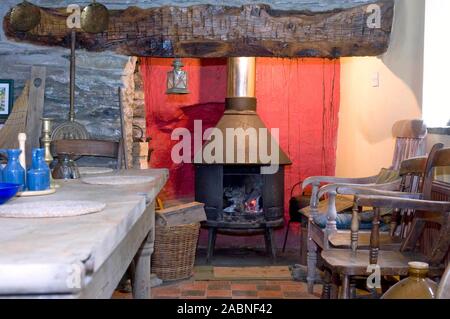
x,y
311,257
355,228
35,109
141,280
331,219
375,237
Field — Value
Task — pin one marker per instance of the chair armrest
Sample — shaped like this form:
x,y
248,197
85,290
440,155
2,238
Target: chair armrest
x,y
317,180
348,190
402,203
352,189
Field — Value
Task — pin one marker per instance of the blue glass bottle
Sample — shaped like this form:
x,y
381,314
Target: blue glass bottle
x,y
14,172
1,171
38,177
2,166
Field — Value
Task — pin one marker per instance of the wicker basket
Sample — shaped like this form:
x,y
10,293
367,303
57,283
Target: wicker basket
x,y
175,248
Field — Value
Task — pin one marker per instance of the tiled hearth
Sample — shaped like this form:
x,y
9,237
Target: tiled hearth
x,y
191,289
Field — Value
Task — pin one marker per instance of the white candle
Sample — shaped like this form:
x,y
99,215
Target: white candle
x,y
22,159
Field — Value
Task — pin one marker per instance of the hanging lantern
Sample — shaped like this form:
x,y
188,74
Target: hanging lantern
x,y
177,79
95,18
25,17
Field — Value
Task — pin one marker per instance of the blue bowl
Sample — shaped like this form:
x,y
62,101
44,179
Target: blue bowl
x,y
8,191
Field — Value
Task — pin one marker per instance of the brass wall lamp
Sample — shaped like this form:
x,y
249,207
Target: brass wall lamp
x,y
95,18
26,16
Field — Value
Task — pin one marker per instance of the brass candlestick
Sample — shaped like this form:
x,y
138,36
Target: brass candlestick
x,y
46,140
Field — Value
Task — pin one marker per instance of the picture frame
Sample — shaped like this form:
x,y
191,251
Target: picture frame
x,y
6,99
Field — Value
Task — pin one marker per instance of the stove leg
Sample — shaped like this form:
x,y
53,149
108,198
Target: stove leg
x,y
270,244
212,235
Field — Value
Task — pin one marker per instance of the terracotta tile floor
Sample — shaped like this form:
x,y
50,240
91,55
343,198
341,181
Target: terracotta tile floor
x,y
230,290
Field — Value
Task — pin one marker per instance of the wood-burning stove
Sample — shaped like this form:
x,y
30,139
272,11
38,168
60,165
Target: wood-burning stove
x,y
239,198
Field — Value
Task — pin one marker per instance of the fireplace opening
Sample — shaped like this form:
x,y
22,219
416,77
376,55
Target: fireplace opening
x,y
243,196
239,198
240,201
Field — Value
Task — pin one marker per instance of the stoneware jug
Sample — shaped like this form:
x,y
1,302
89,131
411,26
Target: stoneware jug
x,y
416,286
13,172
38,176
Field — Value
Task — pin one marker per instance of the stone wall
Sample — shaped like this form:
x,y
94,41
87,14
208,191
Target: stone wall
x,y
139,119
97,79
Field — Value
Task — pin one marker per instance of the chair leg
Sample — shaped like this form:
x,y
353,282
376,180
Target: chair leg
x,y
303,246
352,289
270,244
345,293
286,236
212,235
326,292
335,283
312,264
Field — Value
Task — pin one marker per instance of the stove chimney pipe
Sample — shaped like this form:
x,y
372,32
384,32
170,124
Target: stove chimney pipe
x,y
241,85
241,77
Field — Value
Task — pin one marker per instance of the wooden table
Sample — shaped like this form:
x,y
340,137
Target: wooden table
x,y
84,256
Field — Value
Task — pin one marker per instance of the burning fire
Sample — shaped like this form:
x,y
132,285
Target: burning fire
x,y
251,206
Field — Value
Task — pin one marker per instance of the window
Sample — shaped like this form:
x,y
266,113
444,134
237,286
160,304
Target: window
x,y
436,82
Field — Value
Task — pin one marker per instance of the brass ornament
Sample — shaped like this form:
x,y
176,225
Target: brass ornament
x,y
95,18
25,17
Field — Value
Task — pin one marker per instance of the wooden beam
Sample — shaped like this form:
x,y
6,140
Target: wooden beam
x,y
223,31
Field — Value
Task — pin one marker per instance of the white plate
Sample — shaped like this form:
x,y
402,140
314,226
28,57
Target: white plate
x,y
49,209
117,180
94,170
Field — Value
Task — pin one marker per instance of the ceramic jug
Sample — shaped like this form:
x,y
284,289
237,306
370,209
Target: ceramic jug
x,y
65,168
38,176
416,286
13,172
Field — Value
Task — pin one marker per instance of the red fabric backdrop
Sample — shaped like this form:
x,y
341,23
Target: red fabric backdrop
x,y
298,96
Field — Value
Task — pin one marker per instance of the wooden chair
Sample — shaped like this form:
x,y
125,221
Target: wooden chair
x,y
430,217
96,148
409,140
319,238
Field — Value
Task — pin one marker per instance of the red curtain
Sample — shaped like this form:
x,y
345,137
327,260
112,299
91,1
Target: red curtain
x,y
298,96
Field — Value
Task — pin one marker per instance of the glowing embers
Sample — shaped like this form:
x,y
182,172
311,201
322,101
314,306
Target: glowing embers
x,y
243,198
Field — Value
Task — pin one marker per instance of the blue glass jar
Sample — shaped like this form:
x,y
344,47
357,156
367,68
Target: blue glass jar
x,y
13,172
38,177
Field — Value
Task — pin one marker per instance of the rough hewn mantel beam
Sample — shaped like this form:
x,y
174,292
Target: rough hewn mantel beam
x,y
221,31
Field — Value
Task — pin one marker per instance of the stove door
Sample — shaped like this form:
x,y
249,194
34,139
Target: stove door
x,y
209,189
